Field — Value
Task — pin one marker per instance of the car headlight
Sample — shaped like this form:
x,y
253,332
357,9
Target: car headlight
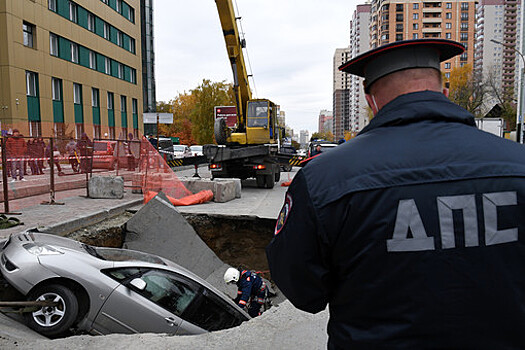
x,y
41,249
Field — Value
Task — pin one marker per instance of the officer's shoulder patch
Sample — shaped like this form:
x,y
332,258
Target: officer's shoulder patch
x,y
283,215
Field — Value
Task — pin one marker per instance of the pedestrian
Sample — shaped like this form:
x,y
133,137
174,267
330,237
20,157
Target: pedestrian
x,y
40,148
85,148
413,232
16,152
251,289
131,149
71,150
32,152
56,156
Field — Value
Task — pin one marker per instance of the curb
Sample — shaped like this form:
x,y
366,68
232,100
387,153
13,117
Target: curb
x,y
64,228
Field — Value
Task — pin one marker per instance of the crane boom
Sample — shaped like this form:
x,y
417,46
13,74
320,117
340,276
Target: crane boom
x,y
234,46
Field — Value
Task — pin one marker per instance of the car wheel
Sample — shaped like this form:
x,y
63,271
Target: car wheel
x,y
287,168
270,180
278,174
53,321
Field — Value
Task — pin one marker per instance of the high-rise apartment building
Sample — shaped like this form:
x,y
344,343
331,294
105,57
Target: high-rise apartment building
x,y
68,67
148,56
304,138
341,93
497,39
359,43
325,121
394,20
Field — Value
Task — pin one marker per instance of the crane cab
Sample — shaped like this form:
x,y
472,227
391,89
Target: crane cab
x,y
261,122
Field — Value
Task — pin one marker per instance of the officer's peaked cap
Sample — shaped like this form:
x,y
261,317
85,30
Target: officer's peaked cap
x,y
400,55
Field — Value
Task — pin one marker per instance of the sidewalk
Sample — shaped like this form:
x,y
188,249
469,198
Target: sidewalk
x,y
76,212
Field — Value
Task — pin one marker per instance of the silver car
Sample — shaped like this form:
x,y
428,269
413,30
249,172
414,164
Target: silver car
x,y
110,290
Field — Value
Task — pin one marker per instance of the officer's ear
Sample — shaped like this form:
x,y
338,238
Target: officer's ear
x,y
446,91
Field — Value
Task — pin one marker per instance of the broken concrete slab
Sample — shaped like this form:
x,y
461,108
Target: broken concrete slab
x,y
160,229
106,187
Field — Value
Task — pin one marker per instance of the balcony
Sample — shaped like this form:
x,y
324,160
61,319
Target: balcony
x,y
432,20
431,30
432,10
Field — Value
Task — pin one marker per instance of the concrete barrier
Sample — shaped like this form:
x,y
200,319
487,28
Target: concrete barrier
x,y
236,182
158,228
106,187
223,191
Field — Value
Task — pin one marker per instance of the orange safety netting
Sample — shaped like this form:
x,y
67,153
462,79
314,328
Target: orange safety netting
x,y
157,176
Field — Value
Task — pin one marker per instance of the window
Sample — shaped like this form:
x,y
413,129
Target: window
x,y
79,130
35,128
448,15
463,57
77,93
29,32
415,16
106,31
399,17
399,7
448,25
112,132
121,71
52,5
415,26
73,12
132,45
53,44
464,26
464,16
110,100
119,6
94,97
133,76
107,65
415,6
105,2
399,27
119,38
134,106
123,104
449,5
415,36
448,36
464,6
74,53
97,132
399,37
92,60
56,89
131,14
447,65
463,36
447,75
31,79
91,22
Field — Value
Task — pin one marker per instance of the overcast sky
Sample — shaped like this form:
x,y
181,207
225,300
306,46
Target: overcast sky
x,y
290,45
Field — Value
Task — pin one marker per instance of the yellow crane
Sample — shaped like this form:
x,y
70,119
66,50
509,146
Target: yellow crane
x,y
256,118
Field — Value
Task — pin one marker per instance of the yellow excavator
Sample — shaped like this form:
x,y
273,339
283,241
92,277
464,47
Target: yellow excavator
x,y
249,149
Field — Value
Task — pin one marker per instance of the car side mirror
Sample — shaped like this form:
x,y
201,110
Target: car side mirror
x,y
138,283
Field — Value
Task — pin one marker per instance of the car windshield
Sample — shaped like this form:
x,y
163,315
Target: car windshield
x,y
196,148
179,148
115,254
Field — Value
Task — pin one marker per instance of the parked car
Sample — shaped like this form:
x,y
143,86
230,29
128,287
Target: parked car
x,y
181,151
110,290
325,146
196,150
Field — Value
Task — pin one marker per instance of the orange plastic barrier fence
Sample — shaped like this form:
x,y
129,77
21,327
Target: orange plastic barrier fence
x,y
197,198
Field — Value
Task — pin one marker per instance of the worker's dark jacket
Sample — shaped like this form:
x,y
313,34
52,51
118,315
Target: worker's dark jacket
x,y
413,232
248,285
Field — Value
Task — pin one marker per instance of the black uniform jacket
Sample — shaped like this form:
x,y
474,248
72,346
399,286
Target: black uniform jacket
x,y
413,232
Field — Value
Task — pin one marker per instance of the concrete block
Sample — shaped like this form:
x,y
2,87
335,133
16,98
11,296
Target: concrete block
x,y
159,228
223,191
237,184
107,187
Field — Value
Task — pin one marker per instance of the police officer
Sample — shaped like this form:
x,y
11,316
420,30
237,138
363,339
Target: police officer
x,y
251,288
413,231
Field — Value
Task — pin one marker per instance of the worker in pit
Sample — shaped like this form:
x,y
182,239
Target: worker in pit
x,y
251,289
413,232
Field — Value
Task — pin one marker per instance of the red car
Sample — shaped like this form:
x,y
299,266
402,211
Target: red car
x,y
105,155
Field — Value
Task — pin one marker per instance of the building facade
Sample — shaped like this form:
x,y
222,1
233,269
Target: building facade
x,y
304,138
396,20
69,67
359,43
341,94
497,41
325,121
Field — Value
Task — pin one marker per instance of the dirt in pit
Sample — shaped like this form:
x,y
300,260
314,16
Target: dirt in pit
x,y
107,233
236,241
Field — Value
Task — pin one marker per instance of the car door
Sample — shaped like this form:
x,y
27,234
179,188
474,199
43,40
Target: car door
x,y
155,308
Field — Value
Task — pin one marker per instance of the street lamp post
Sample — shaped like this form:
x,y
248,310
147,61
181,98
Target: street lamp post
x,y
519,114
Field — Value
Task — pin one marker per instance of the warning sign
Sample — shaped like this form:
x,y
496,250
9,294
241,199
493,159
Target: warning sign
x,y
227,112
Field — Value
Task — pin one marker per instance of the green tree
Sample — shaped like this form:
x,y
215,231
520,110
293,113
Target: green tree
x,y
208,95
328,136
